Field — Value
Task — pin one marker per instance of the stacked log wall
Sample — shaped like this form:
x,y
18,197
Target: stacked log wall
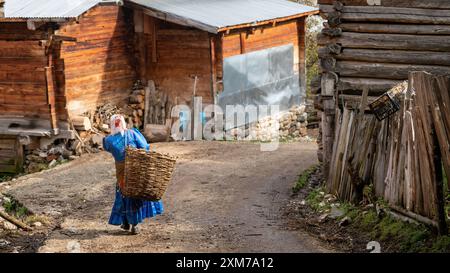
x,y
378,42
99,67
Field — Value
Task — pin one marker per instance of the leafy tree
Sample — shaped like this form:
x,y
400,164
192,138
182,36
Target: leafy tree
x,y
313,28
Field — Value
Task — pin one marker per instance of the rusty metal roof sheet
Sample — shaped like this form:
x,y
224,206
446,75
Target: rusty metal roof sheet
x,y
213,15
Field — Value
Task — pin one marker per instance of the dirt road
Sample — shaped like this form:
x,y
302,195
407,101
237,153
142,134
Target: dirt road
x,y
224,197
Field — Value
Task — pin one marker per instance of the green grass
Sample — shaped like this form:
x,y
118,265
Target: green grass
x,y
304,178
5,177
442,245
15,208
316,200
402,236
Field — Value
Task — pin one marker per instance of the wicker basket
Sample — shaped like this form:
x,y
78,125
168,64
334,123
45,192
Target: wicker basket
x,y
147,174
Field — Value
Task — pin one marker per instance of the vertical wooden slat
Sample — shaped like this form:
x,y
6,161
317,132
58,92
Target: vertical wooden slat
x,y
242,37
212,40
51,90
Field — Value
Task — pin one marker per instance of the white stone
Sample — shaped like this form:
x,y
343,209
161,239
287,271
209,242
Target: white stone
x,y
53,163
37,224
8,226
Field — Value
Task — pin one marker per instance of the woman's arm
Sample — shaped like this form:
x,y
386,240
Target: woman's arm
x,y
141,142
106,145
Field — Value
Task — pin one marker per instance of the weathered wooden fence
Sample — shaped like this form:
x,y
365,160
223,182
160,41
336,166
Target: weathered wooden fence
x,y
401,156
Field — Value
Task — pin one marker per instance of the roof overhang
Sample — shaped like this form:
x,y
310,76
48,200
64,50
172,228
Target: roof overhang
x,y
185,21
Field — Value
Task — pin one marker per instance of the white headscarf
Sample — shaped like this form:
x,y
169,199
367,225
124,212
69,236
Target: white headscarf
x,y
118,125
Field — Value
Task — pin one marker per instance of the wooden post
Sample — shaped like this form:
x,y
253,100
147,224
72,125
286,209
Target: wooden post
x,y
51,87
440,197
212,44
242,41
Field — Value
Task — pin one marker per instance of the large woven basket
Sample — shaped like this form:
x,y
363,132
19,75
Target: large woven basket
x,y
147,174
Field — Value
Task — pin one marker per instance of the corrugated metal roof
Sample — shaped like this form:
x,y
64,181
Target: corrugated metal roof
x,y
48,8
212,15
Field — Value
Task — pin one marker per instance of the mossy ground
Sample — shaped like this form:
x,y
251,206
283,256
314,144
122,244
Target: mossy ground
x,y
303,178
15,208
397,235
5,177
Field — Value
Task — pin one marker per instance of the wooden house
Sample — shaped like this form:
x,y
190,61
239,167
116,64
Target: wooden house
x,y
60,59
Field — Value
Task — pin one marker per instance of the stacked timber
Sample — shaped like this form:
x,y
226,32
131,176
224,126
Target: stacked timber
x,y
400,158
376,43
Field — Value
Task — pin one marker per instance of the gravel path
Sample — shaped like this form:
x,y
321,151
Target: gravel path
x,y
224,197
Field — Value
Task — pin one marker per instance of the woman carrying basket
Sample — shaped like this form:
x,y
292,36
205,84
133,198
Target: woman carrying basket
x,y
127,212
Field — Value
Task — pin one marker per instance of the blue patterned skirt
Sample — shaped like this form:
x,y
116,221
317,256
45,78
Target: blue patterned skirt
x,y
133,211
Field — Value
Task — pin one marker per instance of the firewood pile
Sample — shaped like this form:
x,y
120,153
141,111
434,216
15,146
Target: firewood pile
x,y
90,129
400,157
45,158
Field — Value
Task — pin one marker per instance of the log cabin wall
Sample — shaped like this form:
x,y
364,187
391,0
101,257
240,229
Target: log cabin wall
x,y
99,67
376,43
247,40
23,89
172,55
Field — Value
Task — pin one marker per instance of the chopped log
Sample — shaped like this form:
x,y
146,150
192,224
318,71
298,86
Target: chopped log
x,y
338,6
396,29
333,49
385,70
437,43
389,56
412,215
156,133
15,221
328,63
81,123
413,13
377,86
334,18
332,32
328,82
136,99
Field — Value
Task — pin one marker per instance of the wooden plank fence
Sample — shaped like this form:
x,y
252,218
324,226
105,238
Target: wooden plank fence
x,y
401,156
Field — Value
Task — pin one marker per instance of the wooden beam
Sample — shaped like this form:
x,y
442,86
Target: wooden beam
x,y
19,159
395,29
377,86
389,56
268,22
242,37
385,70
154,33
212,43
428,4
437,43
389,11
138,20
180,20
51,88
15,221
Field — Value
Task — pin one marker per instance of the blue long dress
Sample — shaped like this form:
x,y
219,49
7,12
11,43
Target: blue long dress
x,y
129,210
